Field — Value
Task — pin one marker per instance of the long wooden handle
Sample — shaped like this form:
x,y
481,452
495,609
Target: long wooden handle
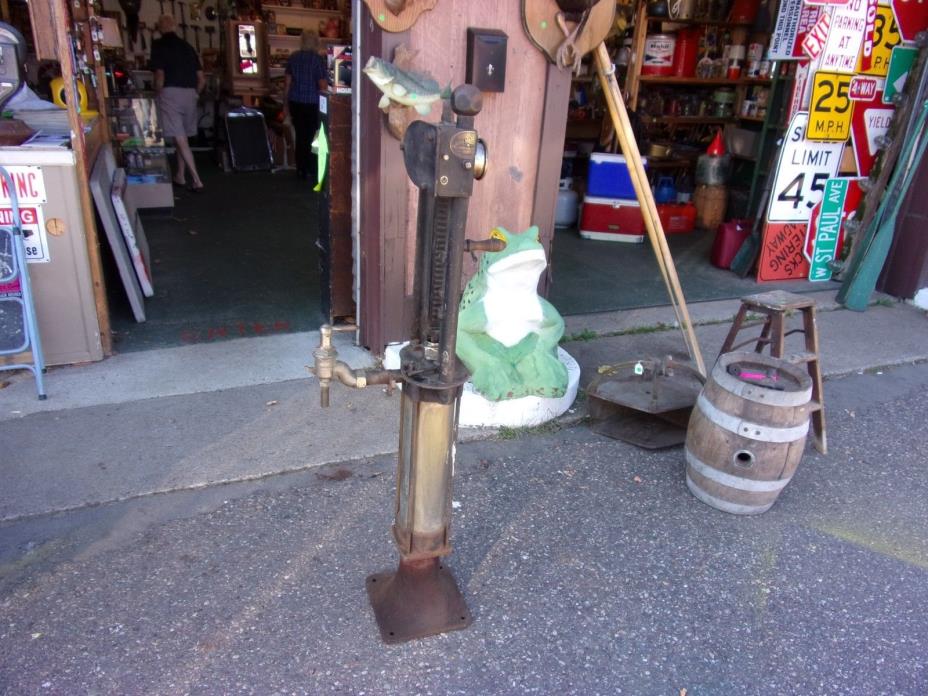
x,y
623,129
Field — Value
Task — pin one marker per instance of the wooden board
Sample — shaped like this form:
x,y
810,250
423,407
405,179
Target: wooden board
x,y
101,182
539,18
132,232
397,22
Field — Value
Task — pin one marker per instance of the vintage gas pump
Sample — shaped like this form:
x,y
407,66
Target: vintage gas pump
x,y
421,597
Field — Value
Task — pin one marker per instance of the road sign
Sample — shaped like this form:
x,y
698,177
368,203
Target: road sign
x,y
802,171
826,228
848,24
900,65
781,256
871,120
878,45
912,17
794,21
813,43
864,87
830,107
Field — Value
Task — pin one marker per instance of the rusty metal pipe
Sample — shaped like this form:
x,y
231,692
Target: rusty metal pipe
x,y
327,368
491,244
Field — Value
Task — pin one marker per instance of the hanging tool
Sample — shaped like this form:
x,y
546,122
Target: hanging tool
x,y
142,28
196,35
183,29
161,2
421,597
173,8
605,70
209,34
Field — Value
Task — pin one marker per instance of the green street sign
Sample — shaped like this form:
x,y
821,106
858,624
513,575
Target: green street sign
x,y
900,65
828,229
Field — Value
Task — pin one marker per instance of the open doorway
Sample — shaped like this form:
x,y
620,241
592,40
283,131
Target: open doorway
x,y
238,260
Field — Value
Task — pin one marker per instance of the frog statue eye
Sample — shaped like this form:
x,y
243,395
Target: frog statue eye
x,y
496,233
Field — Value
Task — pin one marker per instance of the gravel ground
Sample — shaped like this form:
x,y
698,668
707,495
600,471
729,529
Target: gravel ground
x,y
588,566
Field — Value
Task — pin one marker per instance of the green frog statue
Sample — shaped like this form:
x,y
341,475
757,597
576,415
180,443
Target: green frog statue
x,y
507,334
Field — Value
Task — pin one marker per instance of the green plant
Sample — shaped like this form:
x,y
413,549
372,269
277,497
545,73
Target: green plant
x,y
585,335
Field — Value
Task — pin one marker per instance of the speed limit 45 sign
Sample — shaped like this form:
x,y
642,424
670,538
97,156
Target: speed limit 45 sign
x,y
802,171
830,107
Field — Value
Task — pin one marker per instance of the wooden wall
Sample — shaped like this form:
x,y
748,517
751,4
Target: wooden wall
x,y
523,128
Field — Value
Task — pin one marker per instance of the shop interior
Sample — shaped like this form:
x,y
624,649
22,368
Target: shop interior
x,y
690,79
241,257
260,252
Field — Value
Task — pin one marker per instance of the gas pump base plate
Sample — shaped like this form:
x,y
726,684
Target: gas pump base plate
x,y
420,599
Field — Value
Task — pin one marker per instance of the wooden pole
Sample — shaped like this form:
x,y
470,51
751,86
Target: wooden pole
x,y
62,21
606,72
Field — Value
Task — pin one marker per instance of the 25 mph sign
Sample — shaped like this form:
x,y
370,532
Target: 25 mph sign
x,y
830,107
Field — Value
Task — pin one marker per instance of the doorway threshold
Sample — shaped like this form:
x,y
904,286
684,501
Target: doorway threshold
x,y
175,371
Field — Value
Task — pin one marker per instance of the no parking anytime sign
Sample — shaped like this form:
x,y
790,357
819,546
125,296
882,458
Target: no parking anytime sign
x,y
802,171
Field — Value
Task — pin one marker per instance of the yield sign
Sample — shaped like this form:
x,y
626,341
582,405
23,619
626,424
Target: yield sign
x,y
870,120
912,17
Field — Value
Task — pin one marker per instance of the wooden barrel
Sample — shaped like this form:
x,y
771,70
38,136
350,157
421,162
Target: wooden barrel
x,y
747,432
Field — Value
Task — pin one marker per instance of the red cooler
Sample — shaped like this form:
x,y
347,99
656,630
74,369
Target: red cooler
x,y
612,220
677,218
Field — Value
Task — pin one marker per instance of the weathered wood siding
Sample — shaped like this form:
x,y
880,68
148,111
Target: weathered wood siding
x,y
523,139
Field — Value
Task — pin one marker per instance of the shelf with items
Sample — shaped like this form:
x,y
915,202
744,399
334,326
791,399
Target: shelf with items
x,y
295,10
704,22
685,120
659,80
296,38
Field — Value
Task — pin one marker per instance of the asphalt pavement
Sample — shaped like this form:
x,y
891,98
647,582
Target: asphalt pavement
x,y
587,564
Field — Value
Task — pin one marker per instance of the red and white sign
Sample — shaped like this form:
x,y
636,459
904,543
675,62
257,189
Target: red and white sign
x,y
848,24
781,256
826,2
802,88
912,17
814,42
35,240
28,183
795,20
864,88
866,48
871,119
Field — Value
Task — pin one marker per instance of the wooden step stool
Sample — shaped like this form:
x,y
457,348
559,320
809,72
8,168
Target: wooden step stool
x,y
774,305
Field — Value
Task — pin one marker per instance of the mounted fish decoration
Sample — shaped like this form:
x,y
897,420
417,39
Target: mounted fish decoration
x,y
402,86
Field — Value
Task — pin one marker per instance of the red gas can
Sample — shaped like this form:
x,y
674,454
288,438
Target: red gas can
x,y
728,239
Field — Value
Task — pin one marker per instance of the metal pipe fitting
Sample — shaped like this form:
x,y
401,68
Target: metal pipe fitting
x,y
327,368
